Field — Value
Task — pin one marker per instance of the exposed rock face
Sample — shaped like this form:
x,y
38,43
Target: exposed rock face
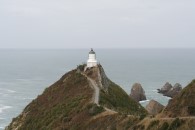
x,y
98,75
169,91
174,91
137,92
177,87
182,104
154,107
165,88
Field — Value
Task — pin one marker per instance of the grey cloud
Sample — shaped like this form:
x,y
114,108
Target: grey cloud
x,y
97,23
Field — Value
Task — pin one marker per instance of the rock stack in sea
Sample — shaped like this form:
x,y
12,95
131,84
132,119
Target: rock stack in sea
x,y
169,90
137,92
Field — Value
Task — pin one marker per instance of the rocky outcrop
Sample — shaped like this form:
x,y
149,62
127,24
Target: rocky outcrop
x,y
165,88
169,91
137,92
182,104
174,91
154,107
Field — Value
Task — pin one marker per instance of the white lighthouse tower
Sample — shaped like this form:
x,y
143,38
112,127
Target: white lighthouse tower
x,y
91,62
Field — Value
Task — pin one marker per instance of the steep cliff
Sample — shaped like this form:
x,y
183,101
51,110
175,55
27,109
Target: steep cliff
x,y
81,99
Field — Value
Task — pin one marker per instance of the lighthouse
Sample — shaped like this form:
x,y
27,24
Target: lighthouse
x,y
91,62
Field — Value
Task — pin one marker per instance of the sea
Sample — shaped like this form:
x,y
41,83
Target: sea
x,y
25,73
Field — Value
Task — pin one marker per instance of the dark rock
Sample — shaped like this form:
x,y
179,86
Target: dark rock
x,y
177,87
154,107
137,92
165,88
174,91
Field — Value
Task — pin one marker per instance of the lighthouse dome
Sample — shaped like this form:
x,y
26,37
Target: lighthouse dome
x,y
91,52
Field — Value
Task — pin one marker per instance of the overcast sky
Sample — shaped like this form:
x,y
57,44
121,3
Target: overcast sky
x,y
97,23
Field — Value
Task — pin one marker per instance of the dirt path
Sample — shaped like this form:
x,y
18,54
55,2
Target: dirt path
x,y
95,87
96,90
187,117
110,111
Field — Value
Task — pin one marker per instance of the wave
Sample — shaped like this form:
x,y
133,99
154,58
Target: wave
x,y
7,90
168,97
22,79
10,91
4,108
144,101
30,80
27,98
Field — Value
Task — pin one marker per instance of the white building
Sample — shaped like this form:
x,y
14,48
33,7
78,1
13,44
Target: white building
x,y
91,62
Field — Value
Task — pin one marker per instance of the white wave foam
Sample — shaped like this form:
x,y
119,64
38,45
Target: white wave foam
x,y
27,98
7,90
167,97
21,79
11,91
4,108
144,101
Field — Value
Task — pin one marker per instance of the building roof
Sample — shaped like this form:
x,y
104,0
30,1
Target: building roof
x,y
91,52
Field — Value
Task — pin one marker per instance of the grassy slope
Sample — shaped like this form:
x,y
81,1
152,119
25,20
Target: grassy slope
x,y
183,104
113,96
116,98
67,104
165,124
63,105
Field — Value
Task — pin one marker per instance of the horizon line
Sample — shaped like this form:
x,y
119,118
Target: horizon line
x,y
97,48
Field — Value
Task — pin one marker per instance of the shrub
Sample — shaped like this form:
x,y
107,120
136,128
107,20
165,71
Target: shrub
x,y
165,126
175,124
191,110
94,109
141,117
152,124
81,67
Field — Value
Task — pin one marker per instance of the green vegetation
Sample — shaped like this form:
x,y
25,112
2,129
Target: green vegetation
x,y
177,105
67,105
164,126
81,67
58,106
139,127
116,98
142,116
153,124
94,109
191,110
175,124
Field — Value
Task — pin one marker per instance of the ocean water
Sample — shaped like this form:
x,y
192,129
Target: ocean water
x,y
24,74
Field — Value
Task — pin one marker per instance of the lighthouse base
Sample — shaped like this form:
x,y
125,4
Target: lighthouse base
x,y
91,64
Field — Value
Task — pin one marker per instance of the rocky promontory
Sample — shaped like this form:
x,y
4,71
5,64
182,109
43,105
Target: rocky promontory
x,y
86,99
82,99
137,92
